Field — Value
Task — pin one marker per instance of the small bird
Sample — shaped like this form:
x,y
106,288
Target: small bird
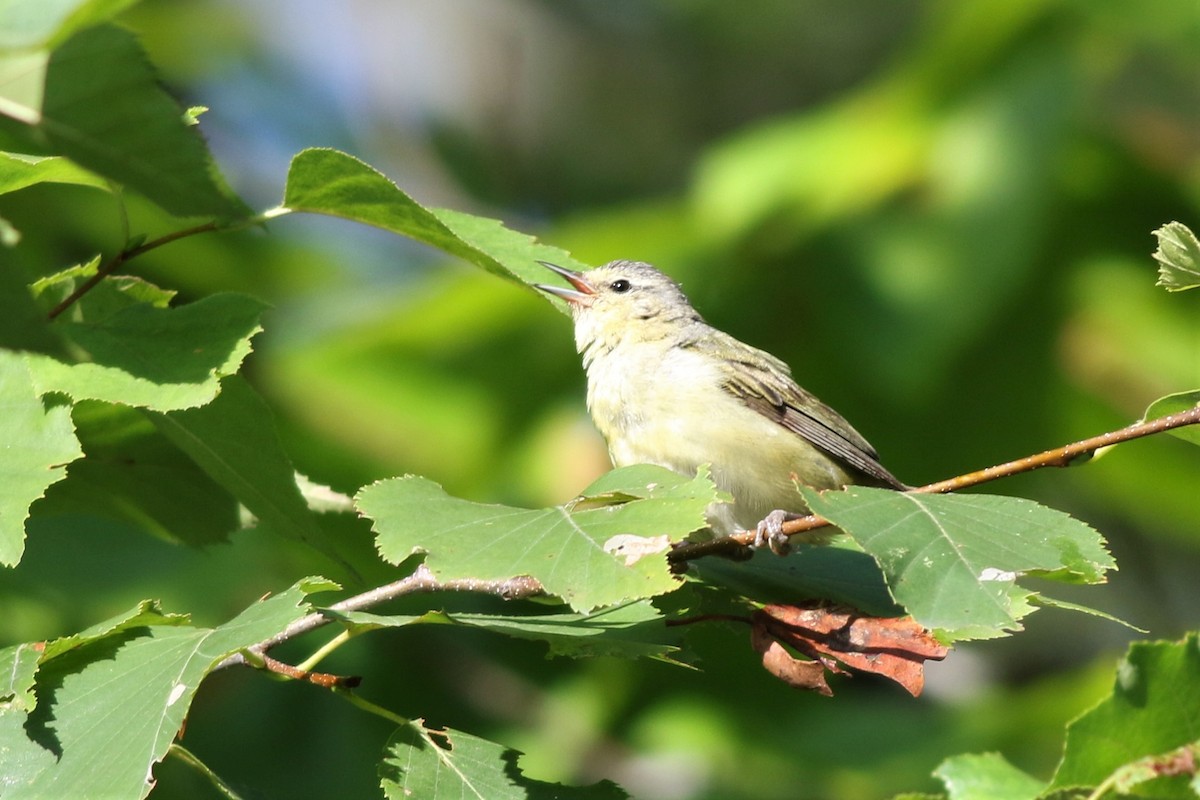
x,y
664,387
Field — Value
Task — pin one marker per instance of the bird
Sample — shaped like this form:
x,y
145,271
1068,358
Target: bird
x,y
665,387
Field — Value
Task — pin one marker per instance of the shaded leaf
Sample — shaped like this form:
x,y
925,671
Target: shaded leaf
x,y
39,442
563,547
134,475
1152,711
100,104
952,560
628,630
833,572
141,675
324,181
1178,257
1173,404
453,765
233,439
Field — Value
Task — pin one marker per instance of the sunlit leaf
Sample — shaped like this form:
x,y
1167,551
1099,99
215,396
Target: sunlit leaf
x,y
38,443
452,765
142,671
952,560
1178,257
329,182
152,357
1152,710
987,777
563,548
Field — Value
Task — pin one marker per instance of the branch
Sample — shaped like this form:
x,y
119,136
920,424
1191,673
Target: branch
x,y
133,252
1058,457
421,581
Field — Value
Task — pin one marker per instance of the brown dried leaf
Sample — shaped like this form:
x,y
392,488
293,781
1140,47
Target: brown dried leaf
x,y
895,647
789,669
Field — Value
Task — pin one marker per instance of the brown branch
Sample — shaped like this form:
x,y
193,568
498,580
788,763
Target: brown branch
x,y
123,256
1058,457
421,581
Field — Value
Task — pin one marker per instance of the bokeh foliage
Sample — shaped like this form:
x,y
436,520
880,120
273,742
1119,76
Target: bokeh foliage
x,y
938,213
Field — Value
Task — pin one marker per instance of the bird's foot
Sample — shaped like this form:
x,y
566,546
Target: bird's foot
x,y
770,532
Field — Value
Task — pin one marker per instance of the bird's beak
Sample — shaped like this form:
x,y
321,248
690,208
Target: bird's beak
x,y
581,296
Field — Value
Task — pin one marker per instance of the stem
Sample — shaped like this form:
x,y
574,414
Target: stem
x,y
133,252
368,706
188,757
1058,457
324,650
421,581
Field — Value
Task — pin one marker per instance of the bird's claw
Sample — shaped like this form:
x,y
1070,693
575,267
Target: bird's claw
x,y
770,533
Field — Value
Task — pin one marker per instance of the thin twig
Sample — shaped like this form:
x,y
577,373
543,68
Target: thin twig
x,y
421,581
1058,457
120,258
133,252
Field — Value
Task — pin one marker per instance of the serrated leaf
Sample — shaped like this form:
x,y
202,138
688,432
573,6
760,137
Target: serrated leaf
x,y
109,707
987,776
233,439
562,548
18,666
151,357
100,104
38,443
952,560
453,765
1152,710
1173,404
1178,257
323,181
628,630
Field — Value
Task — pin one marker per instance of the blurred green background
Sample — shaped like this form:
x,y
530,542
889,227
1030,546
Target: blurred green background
x,y
938,213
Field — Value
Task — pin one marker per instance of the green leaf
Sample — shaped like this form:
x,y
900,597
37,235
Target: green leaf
x,y
19,171
564,547
952,560
233,439
628,630
1178,257
152,357
31,24
38,443
103,108
18,665
987,777
133,475
323,181
110,704
453,765
833,572
1152,711
1173,404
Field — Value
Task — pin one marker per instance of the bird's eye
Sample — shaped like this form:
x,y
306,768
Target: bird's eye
x,y
620,286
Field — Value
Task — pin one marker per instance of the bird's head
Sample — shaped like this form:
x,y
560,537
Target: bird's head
x,y
622,301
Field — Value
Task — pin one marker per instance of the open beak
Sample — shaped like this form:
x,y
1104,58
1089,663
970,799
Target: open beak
x,y
582,295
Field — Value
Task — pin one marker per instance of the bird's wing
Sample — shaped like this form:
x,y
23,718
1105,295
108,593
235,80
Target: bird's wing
x,y
765,384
